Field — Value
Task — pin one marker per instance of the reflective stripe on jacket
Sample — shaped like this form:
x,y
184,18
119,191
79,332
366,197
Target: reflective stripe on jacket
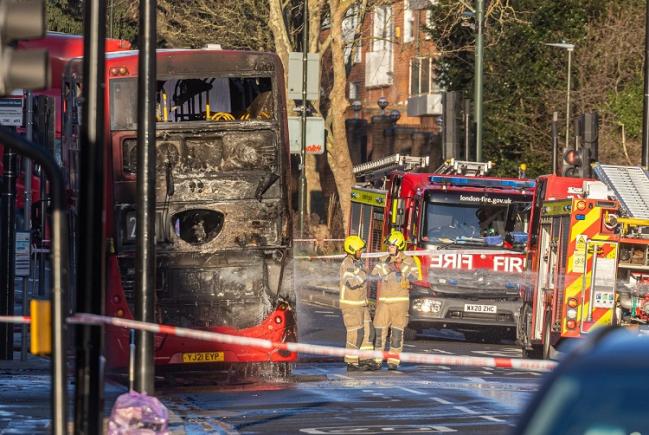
x,y
353,285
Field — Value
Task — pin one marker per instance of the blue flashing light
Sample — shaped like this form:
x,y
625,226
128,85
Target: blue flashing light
x,y
452,281
493,240
580,217
511,285
483,182
519,237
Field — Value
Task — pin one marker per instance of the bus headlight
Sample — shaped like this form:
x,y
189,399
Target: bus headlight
x,y
571,313
427,305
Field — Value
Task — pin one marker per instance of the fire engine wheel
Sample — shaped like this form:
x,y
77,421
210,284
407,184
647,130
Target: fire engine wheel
x,y
548,350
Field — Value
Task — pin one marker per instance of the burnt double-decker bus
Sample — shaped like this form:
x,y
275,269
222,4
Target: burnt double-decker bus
x,y
223,223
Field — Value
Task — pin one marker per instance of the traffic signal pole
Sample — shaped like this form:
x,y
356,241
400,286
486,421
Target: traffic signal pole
x,y
60,269
145,218
645,109
7,251
89,391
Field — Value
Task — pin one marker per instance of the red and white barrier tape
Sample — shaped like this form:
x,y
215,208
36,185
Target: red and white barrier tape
x,y
410,253
315,349
471,361
15,319
318,240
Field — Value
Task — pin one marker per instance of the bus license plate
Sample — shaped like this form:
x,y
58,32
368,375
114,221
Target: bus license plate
x,y
201,357
473,308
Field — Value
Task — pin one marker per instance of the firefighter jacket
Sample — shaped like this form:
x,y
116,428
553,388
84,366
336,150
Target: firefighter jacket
x,y
353,285
395,273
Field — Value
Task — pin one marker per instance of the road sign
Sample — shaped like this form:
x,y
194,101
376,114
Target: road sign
x,y
11,112
315,136
23,254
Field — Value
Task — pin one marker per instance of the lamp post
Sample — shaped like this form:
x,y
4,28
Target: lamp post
x,y
382,102
477,80
570,48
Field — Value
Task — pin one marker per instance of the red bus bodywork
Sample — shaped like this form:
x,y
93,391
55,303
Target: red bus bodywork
x,y
181,269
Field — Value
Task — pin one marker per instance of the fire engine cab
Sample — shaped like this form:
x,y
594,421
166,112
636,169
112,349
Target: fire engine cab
x,y
471,233
588,257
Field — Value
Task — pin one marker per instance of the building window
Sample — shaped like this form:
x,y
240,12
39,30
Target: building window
x,y
378,62
354,91
382,28
422,76
408,22
351,35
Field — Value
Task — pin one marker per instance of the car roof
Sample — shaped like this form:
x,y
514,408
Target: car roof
x,y
616,346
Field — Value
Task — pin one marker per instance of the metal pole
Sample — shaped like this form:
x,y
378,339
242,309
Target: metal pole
x,y
89,391
145,219
568,98
59,272
645,108
42,222
305,59
479,14
27,215
555,142
7,251
467,128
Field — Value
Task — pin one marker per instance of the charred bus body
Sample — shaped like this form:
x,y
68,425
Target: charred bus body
x,y
223,225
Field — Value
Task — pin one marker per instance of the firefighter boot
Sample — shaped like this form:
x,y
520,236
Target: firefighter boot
x,y
371,365
392,366
351,367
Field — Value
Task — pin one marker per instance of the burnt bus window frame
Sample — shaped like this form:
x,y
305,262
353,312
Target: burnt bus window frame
x,y
132,125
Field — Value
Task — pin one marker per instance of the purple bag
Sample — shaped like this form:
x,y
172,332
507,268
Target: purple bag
x,y
138,414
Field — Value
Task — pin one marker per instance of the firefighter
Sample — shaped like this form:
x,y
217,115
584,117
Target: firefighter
x,y
353,304
393,302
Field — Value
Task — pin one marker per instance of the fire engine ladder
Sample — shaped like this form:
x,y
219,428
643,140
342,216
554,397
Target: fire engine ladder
x,y
630,185
462,167
381,167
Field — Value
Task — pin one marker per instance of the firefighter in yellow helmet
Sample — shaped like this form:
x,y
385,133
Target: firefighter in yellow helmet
x,y
353,304
393,298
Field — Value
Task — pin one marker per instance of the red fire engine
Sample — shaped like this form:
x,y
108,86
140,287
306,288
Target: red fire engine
x,y
588,257
471,229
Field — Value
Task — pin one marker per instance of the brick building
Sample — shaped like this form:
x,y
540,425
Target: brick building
x,y
393,59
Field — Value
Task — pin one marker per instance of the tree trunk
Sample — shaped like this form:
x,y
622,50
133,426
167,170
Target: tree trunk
x,y
338,151
280,35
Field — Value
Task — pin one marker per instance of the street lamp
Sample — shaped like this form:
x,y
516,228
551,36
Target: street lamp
x,y
357,106
382,102
570,48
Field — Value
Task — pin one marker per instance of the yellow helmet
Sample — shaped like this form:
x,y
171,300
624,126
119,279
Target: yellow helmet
x,y
353,244
396,238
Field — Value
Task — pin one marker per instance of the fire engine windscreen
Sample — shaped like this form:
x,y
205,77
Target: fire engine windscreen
x,y
481,219
207,99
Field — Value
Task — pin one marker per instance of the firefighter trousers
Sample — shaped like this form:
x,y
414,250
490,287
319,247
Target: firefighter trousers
x,y
392,317
360,334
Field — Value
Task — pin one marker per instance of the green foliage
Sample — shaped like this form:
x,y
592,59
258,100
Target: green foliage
x,y
627,107
520,71
64,16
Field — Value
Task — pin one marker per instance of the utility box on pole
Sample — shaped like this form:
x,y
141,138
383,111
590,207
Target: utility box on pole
x,y
315,135
295,76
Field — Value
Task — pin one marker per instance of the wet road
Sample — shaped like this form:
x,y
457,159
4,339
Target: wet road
x,y
323,398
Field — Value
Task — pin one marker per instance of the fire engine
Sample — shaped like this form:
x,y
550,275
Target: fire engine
x,y
587,257
471,230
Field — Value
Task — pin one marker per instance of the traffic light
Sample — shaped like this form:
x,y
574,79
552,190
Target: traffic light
x,y
589,147
22,69
571,163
